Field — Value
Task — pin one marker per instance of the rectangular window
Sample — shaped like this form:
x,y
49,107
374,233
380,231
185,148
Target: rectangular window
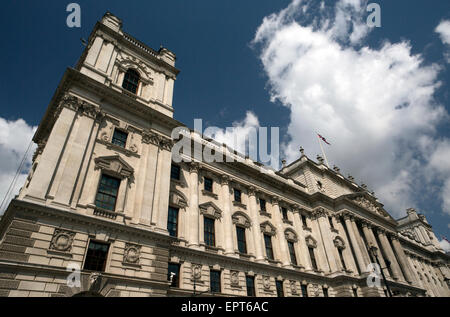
x,y
237,195
280,291
96,256
250,282
341,256
215,281
173,274
209,232
107,192
284,213
305,224
268,244
355,292
304,290
325,292
292,252
242,245
172,221
330,220
119,138
262,204
175,172
208,184
313,258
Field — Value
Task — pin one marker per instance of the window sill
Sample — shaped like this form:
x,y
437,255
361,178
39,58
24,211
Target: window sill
x,y
239,204
210,194
335,230
307,228
265,214
114,147
287,221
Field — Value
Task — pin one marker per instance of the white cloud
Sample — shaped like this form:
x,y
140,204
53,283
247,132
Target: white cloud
x,y
445,245
443,29
376,106
15,137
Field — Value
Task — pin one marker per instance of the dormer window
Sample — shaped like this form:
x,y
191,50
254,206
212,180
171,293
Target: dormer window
x,y
131,81
119,138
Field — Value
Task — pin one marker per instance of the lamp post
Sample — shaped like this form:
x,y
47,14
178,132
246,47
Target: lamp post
x,y
373,249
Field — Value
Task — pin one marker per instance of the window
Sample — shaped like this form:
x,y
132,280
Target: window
x,y
304,290
385,293
250,282
175,172
313,258
119,138
305,224
107,192
325,292
131,80
262,204
355,292
280,292
172,221
341,256
237,195
330,220
242,245
173,274
209,232
268,244
292,252
284,213
96,256
208,184
214,277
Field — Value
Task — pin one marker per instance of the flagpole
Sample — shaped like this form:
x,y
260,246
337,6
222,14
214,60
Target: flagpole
x,y
323,152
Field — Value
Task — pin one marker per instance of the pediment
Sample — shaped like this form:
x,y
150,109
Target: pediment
x,y
115,164
177,199
239,218
369,203
210,209
268,228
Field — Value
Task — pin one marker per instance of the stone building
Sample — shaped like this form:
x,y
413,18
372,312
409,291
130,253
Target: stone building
x,y
105,211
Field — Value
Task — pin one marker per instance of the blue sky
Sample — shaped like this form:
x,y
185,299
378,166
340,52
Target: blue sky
x,y
224,76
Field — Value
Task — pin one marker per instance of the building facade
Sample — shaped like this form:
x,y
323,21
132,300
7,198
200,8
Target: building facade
x,y
106,211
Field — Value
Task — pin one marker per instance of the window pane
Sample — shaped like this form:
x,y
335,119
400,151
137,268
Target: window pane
x,y
237,195
280,291
119,138
284,213
172,221
304,290
268,243
313,258
209,231
208,184
96,256
325,292
174,269
262,204
175,172
107,192
131,81
240,233
215,281
292,252
250,281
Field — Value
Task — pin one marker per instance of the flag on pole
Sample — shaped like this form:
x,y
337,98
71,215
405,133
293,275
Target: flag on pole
x,y
323,139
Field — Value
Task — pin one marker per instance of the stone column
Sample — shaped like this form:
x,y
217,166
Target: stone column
x,y
321,257
347,252
226,218
303,256
164,186
284,252
193,212
259,256
367,228
157,187
361,243
355,245
325,234
402,260
389,253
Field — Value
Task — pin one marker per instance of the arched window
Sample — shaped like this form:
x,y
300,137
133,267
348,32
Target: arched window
x,y
131,80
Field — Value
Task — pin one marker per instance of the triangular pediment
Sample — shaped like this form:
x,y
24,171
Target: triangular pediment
x,y
114,164
369,203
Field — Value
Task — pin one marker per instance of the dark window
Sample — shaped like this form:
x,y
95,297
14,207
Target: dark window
x,y
237,195
304,290
330,220
107,192
215,281
242,245
280,292
325,292
292,252
208,184
119,138
262,204
385,293
173,273
313,258
209,231
284,213
131,80
172,221
175,172
250,282
341,256
355,292
96,256
304,221
268,244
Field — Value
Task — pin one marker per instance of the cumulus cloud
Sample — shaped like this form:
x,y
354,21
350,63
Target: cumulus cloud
x,y
15,137
443,29
445,245
375,105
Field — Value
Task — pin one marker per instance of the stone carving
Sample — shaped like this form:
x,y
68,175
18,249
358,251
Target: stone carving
x,y
239,218
293,287
62,240
311,242
290,235
339,243
367,204
178,200
266,282
234,278
210,209
268,228
196,271
116,165
132,253
315,290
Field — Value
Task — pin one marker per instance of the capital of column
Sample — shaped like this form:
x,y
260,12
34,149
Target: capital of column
x,y
225,179
275,200
194,167
251,191
320,212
